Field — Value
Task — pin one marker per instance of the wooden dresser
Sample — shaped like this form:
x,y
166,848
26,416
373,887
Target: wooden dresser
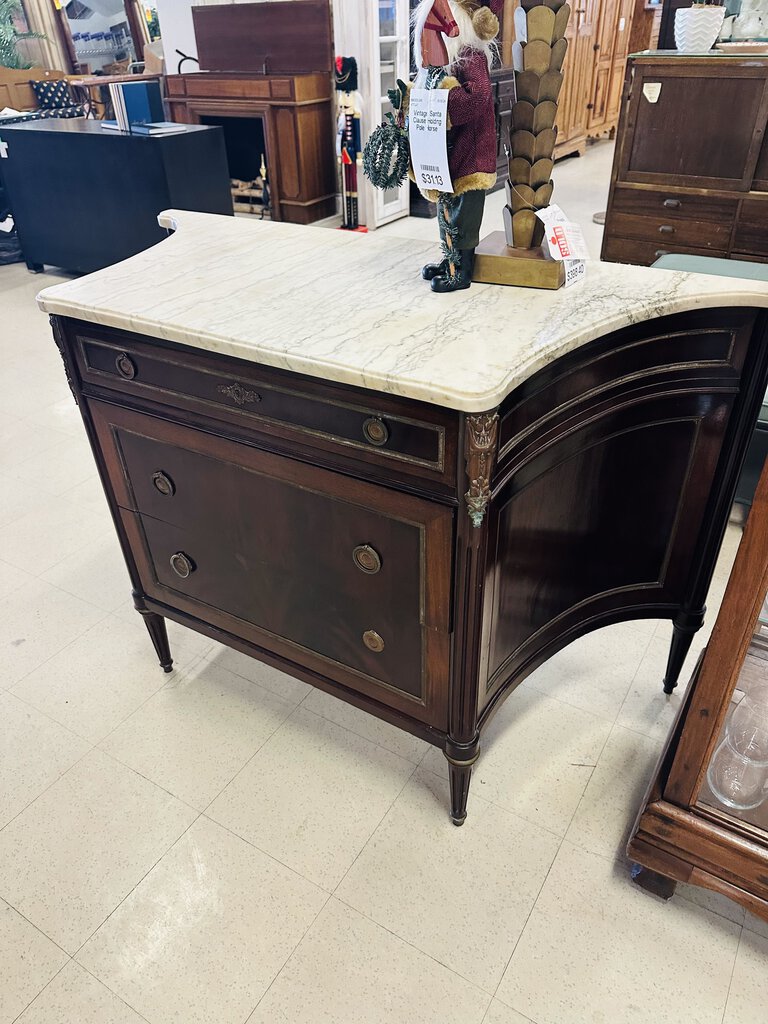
x,y
408,501
690,173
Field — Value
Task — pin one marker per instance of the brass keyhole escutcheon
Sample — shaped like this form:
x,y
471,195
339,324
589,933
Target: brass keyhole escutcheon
x,y
182,565
367,559
125,366
373,641
163,483
376,431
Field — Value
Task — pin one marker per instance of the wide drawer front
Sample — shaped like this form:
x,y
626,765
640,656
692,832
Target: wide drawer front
x,y
664,230
752,229
671,206
617,249
333,573
234,391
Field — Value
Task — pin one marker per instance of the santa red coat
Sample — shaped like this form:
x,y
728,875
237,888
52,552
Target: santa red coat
x,y
472,138
472,142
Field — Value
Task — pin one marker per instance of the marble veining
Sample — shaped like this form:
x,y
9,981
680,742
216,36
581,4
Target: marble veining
x,y
353,309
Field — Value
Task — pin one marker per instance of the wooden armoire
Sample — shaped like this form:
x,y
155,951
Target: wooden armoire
x,y
598,44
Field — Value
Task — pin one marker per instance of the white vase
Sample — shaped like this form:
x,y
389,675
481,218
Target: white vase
x,y
697,27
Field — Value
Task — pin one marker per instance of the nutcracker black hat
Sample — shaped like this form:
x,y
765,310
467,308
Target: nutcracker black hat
x,y
346,74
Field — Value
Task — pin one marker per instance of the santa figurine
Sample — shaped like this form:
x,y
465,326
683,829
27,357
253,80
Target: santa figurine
x,y
454,49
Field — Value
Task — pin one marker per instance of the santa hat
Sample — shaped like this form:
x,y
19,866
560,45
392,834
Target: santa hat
x,y
484,21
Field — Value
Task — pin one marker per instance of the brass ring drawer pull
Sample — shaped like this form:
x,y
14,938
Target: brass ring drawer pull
x,y
125,366
163,483
182,565
367,559
376,431
373,641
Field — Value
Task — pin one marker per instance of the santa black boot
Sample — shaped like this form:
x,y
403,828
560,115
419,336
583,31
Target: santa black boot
x,y
462,274
433,270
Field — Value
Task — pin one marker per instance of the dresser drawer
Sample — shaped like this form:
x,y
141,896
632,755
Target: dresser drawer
x,y
251,396
617,249
664,230
671,206
328,571
752,229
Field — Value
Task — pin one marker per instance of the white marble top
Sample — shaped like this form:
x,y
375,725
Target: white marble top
x,y
352,308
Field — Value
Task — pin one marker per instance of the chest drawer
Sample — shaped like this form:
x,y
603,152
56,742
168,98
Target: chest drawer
x,y
329,571
752,229
673,206
402,437
661,229
617,249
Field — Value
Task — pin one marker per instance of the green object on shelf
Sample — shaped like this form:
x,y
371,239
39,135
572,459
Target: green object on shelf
x,y
713,265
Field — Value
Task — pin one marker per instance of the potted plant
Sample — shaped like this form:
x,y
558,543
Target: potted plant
x,y
697,27
10,34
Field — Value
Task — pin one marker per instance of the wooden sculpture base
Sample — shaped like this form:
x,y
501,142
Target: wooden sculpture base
x,y
498,263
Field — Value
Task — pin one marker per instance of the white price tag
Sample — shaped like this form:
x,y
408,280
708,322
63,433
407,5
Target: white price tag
x,y
564,239
428,138
652,91
575,271
3,150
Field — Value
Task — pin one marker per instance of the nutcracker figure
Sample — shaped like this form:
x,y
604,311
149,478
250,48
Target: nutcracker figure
x,y
348,138
454,49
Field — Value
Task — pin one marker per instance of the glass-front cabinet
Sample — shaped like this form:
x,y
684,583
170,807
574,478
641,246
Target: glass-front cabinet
x,y
377,34
736,782
705,820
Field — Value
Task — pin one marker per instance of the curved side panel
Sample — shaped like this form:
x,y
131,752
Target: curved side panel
x,y
601,507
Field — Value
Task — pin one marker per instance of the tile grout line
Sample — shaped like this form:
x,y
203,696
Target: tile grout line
x,y
129,893
375,829
408,942
45,986
44,791
522,930
242,768
115,994
733,971
329,897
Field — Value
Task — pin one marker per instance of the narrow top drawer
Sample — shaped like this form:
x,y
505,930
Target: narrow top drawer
x,y
263,399
673,205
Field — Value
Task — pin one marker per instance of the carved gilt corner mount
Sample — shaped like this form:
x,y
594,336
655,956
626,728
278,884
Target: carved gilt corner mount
x,y
480,449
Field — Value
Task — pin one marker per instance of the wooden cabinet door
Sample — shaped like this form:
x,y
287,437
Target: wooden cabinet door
x,y
618,68
610,49
574,98
603,50
687,126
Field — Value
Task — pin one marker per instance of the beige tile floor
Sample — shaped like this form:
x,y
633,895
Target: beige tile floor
x,y
225,845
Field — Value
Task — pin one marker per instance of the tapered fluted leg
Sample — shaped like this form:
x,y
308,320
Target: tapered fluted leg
x,y
158,633
460,758
686,625
460,775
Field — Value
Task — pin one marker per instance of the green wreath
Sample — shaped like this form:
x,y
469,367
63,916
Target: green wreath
x,y
387,157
